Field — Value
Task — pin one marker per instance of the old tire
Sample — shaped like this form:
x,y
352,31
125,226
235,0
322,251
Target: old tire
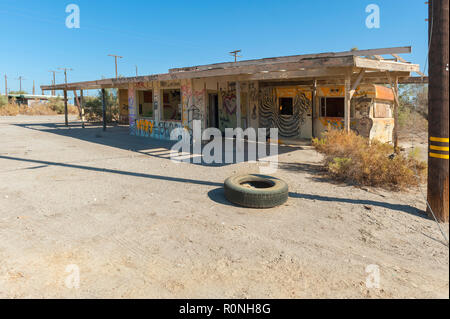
x,y
256,191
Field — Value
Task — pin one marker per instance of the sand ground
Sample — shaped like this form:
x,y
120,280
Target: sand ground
x,y
137,225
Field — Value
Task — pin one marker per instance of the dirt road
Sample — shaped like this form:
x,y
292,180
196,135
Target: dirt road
x,y
136,225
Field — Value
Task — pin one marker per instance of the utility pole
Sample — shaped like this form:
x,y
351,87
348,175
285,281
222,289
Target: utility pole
x,y
20,78
235,54
34,88
6,85
66,113
65,73
438,108
136,71
54,80
115,59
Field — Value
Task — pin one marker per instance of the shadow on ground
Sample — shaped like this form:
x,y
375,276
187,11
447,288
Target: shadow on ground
x,y
119,137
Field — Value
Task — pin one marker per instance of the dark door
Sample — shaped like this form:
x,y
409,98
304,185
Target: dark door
x,y
214,110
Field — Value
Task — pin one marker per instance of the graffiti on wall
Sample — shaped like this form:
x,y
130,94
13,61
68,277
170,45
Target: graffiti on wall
x,y
289,126
161,130
132,110
192,103
227,111
332,123
253,102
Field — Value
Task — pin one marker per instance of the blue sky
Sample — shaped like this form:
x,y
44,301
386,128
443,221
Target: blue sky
x,y
158,35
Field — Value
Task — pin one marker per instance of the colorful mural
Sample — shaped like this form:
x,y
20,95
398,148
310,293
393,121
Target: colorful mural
x,y
132,113
289,126
161,130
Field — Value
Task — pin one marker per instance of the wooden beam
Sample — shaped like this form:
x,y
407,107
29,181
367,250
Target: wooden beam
x,y
399,58
82,108
357,83
385,65
378,57
77,103
66,111
313,107
394,87
104,109
414,80
347,102
293,58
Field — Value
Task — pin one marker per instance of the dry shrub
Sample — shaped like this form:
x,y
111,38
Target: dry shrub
x,y
37,109
353,159
9,110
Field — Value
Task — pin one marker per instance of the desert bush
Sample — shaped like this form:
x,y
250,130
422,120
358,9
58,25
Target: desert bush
x,y
94,109
37,109
353,159
3,100
13,109
56,105
9,110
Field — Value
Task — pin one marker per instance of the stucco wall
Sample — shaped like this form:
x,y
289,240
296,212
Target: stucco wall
x,y
259,108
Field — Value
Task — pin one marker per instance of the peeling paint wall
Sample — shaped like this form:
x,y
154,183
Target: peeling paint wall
x,y
260,108
123,105
363,108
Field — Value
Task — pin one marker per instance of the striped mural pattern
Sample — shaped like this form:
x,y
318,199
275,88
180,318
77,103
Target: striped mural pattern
x,y
288,126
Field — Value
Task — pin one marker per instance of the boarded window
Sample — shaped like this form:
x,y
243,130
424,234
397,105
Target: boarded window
x,y
332,107
286,106
382,110
171,105
145,102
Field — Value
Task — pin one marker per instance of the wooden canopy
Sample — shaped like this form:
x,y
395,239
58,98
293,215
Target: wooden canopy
x,y
366,66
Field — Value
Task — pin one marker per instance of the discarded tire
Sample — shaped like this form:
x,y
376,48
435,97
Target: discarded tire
x,y
255,191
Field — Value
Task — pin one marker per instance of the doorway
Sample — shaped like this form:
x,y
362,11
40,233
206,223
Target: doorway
x,y
213,110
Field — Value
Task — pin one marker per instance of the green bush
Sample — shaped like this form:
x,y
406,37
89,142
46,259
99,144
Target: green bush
x,y
57,105
94,108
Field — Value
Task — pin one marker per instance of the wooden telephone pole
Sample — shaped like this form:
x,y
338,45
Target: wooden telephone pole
x,y
54,80
115,59
235,54
20,78
438,104
6,85
66,113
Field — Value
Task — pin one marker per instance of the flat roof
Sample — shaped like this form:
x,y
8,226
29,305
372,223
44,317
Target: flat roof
x,y
35,96
323,66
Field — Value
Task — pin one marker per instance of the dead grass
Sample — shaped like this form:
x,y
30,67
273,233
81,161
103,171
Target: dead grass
x,y
351,158
37,109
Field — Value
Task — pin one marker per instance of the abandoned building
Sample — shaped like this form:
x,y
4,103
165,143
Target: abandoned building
x,y
30,99
302,95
